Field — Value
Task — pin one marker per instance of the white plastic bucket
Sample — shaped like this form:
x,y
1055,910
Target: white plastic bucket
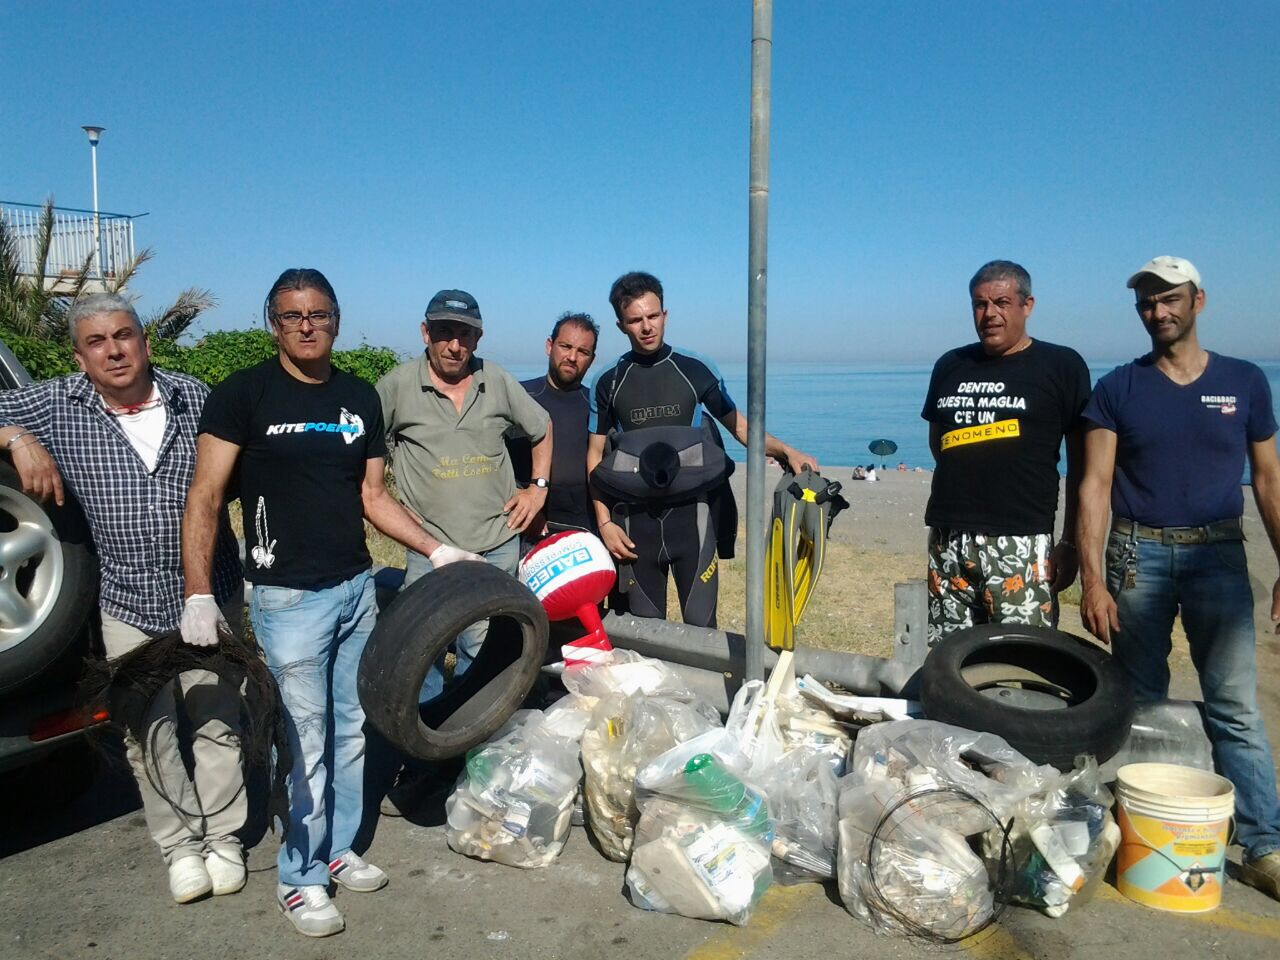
x,y
1174,825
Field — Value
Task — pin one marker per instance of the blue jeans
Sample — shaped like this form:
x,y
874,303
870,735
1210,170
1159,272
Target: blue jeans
x,y
1209,584
313,640
506,557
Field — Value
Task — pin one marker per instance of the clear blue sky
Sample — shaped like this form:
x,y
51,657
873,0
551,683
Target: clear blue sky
x,y
531,151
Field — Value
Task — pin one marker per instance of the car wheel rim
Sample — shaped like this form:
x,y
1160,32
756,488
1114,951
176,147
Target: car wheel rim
x,y
31,569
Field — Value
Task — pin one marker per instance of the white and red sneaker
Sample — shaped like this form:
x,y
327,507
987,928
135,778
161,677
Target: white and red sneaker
x,y
357,874
310,910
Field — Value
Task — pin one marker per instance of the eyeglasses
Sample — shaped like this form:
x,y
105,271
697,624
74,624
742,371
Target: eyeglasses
x,y
319,319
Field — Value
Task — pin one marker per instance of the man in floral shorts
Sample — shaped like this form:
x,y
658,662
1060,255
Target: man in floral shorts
x,y
998,411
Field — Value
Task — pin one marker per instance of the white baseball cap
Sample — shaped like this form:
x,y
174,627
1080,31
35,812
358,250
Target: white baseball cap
x,y
1172,270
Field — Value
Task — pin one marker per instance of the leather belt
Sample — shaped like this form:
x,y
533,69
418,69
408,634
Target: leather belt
x,y
1216,532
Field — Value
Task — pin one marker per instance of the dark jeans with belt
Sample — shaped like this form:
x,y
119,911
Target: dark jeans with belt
x,y
1205,578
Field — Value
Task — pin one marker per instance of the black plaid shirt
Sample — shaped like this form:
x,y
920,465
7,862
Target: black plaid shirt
x,y
135,516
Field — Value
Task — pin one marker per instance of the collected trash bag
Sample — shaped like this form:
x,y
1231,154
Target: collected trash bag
x,y
803,798
626,672
703,840
568,717
902,871
514,800
913,809
922,754
1063,840
753,726
626,732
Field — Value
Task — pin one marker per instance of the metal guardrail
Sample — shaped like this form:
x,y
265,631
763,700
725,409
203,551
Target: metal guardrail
x,y
72,241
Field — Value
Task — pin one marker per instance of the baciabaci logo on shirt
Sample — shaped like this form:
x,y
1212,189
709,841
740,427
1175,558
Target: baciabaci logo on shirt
x,y
1226,405
350,426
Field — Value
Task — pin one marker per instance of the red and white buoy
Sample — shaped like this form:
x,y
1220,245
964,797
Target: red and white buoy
x,y
571,573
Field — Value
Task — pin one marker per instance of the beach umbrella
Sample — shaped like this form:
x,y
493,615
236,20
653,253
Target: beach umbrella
x,y
882,448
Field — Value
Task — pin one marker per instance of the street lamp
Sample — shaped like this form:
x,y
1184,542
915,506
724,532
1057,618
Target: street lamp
x,y
95,133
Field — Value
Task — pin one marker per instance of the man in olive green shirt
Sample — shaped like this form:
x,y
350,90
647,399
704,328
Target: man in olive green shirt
x,y
447,412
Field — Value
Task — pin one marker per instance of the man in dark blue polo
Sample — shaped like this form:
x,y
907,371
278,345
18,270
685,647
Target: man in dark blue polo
x,y
1168,438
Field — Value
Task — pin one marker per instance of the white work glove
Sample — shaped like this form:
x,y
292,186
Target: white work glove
x,y
202,621
446,554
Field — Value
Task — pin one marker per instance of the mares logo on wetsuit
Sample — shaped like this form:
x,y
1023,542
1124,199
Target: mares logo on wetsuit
x,y
999,430
663,411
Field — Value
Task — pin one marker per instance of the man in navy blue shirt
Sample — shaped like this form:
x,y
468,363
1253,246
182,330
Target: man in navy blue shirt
x,y
1168,437
571,348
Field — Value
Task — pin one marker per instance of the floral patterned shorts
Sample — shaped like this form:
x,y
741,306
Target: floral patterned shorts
x,y
976,578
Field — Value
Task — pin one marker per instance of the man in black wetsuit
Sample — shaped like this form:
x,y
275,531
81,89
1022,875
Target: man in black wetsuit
x,y
571,348
655,385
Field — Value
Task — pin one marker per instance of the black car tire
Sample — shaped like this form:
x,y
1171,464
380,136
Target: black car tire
x,y
49,575
1094,707
415,630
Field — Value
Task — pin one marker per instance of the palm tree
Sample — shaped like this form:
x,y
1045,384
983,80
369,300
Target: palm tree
x,y
33,305
28,304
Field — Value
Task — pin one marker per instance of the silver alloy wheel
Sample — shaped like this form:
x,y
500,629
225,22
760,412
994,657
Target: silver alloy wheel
x,y
31,567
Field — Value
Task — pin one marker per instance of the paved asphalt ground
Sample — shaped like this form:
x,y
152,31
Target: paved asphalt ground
x,y
86,882
79,885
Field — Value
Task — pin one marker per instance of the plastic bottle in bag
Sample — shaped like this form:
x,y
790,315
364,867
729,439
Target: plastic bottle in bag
x,y
726,795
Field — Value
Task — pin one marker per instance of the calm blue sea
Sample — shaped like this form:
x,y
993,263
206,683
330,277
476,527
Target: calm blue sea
x,y
834,410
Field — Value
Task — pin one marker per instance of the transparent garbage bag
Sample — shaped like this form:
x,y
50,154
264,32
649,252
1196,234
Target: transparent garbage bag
x,y
514,800
626,732
753,725
803,797
902,869
914,809
625,672
1063,839
704,835
921,754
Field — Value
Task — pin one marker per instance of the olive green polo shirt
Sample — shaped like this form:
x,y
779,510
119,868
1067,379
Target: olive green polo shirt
x,y
452,468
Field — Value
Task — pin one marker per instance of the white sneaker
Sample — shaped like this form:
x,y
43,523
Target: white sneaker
x,y
188,879
225,863
357,874
310,910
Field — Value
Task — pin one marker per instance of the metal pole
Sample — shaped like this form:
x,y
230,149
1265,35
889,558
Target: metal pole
x,y
94,133
97,229
757,292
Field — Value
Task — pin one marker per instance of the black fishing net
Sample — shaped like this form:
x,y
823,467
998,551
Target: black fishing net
x,y
129,684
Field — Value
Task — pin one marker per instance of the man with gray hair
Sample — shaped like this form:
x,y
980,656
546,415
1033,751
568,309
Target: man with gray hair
x,y
998,411
120,436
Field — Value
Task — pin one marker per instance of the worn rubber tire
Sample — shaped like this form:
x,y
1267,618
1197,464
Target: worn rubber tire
x,y
58,634
1099,701
416,629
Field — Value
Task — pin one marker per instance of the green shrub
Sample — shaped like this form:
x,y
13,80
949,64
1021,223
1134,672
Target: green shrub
x,y
367,362
43,359
217,355
212,359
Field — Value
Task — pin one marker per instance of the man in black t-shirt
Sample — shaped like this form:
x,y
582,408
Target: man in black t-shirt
x,y
307,442
653,384
998,412
570,350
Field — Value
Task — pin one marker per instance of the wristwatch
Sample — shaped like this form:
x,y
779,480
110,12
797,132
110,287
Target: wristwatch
x,y
540,482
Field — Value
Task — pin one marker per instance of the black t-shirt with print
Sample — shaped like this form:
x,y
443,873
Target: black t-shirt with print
x,y
1001,422
302,462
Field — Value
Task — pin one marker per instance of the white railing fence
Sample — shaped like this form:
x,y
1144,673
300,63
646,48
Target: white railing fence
x,y
72,240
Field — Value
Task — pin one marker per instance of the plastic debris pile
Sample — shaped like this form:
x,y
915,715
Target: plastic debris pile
x,y
928,829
